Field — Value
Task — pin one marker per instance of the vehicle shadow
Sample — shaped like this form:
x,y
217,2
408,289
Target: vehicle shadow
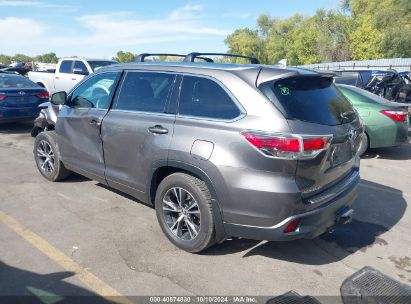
x,y
75,178
125,195
22,286
373,217
402,152
16,127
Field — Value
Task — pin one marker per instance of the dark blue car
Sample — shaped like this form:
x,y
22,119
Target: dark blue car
x,y
20,98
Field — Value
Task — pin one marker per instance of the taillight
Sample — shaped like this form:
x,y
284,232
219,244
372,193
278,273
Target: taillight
x,y
43,95
292,226
395,115
280,143
2,97
291,146
316,143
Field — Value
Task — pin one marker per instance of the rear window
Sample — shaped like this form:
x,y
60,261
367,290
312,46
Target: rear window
x,y
13,82
95,65
313,99
348,78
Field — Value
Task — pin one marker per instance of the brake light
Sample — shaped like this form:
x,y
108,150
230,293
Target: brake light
x,y
316,143
43,95
395,115
292,226
291,146
280,143
2,97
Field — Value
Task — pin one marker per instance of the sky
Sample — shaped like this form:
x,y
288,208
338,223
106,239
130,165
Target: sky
x,y
101,28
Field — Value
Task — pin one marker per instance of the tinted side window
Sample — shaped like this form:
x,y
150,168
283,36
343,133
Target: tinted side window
x,y
80,65
204,97
65,66
95,92
144,92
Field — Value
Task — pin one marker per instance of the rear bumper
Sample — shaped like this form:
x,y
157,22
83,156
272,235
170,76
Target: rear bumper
x,y
313,223
18,114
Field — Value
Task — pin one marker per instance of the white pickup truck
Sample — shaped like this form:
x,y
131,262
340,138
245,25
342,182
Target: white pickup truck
x,y
68,73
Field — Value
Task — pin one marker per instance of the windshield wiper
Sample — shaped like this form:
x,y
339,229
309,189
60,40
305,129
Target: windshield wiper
x,y
346,115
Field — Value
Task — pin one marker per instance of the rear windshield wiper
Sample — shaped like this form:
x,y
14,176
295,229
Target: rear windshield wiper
x,y
346,115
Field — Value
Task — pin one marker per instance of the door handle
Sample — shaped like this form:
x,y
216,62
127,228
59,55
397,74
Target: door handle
x,y
158,129
57,77
95,122
73,79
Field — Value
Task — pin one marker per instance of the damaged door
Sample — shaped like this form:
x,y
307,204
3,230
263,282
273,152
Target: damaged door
x,y
79,123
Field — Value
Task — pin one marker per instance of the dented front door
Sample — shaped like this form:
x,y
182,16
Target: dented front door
x,y
79,124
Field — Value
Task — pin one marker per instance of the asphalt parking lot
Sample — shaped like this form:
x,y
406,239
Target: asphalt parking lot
x,y
114,245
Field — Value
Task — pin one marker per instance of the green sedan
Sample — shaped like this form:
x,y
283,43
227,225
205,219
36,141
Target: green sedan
x,y
386,122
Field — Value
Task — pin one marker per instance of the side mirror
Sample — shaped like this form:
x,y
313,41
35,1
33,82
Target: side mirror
x,y
80,72
58,98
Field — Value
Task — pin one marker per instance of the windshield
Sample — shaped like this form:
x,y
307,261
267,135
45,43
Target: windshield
x,y
12,82
313,99
97,64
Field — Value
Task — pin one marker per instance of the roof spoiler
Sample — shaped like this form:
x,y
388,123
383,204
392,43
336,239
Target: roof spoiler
x,y
192,56
267,74
142,56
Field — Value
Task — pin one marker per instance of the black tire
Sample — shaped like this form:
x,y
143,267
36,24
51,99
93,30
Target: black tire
x,y
364,145
197,192
43,143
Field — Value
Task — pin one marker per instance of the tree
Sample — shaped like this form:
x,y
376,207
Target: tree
x,y
382,28
124,56
333,41
21,58
304,48
366,40
246,42
4,59
47,58
280,39
359,29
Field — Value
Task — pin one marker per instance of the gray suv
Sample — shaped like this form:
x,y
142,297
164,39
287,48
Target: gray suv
x,y
220,150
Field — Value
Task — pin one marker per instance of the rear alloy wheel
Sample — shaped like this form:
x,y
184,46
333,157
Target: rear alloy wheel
x,y
184,211
47,157
181,213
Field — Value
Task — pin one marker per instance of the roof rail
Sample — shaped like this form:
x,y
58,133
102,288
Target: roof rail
x,y
192,56
142,56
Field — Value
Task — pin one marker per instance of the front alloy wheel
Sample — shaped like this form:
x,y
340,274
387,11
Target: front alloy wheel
x,y
45,157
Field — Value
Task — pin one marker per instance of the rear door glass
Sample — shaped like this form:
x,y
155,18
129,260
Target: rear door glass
x,y
313,99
